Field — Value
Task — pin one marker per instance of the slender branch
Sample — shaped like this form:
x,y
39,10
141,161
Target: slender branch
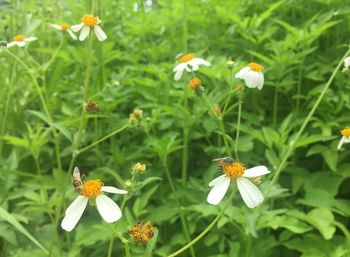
x,y
238,127
205,231
303,126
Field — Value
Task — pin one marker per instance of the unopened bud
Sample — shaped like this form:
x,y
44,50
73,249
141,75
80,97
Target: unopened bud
x,y
195,83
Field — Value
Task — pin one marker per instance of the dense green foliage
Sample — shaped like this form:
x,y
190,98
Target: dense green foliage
x,y
300,43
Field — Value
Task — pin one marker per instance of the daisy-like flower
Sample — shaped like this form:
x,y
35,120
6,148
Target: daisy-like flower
x,y
189,63
88,21
252,75
64,27
235,171
346,63
91,190
345,137
20,40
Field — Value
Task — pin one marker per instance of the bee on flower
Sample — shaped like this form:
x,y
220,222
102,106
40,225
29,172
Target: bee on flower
x,y
64,27
252,75
188,62
91,190
88,21
345,137
235,171
20,40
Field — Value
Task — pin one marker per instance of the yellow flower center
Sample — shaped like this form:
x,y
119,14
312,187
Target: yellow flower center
x,y
345,132
89,20
64,26
256,67
19,37
187,58
234,169
91,188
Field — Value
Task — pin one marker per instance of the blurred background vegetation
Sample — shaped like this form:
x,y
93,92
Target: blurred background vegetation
x,y
298,42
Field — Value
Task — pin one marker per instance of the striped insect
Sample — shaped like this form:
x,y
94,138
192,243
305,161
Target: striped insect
x,y
76,180
224,162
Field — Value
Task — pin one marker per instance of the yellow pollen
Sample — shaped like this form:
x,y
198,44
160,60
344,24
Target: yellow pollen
x,y
19,37
91,188
235,169
64,26
345,132
187,57
256,67
89,20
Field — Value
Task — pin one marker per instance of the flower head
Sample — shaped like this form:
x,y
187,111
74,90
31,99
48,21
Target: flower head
x,y
236,171
89,21
346,63
92,190
142,232
139,168
20,40
189,63
252,75
345,137
135,116
91,106
195,83
64,27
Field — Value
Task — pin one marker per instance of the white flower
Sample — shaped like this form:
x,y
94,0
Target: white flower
x,y
251,195
189,63
252,75
91,189
346,63
20,40
88,21
345,137
64,27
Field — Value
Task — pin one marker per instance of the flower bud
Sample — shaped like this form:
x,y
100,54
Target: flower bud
x,y
195,83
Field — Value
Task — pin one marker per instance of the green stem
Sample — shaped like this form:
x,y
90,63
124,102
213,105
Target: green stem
x,y
110,246
249,246
275,106
303,126
103,139
205,231
53,57
230,93
7,102
238,127
178,206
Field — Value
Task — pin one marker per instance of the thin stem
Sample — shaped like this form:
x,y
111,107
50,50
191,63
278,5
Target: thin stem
x,y
178,206
249,246
103,138
303,126
205,231
110,246
275,106
7,102
53,57
230,93
238,127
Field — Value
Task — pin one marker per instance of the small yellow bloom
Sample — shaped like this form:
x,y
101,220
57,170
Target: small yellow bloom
x,y
139,168
195,83
345,137
142,232
87,22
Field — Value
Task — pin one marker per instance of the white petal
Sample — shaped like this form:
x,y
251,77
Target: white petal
x,y
251,195
198,61
100,33
20,43
55,26
242,72
84,33
260,81
178,75
11,44
253,79
73,36
180,66
341,142
113,190
214,181
219,190
30,39
108,209
76,28
74,212
256,171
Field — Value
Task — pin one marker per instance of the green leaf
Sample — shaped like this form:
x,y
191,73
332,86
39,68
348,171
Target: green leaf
x,y
323,220
12,220
151,244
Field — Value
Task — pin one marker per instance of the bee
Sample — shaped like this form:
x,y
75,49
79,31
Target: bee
x,y
178,56
3,44
224,162
76,180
